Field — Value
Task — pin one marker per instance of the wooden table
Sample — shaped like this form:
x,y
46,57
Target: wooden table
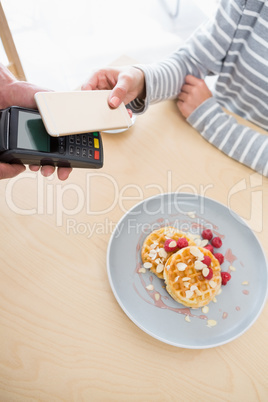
x,y
63,336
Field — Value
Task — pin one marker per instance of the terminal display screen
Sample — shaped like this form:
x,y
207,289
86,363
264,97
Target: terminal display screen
x,y
32,133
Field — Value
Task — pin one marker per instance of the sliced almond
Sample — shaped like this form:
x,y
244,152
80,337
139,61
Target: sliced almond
x,y
147,265
169,235
157,296
162,253
203,243
194,236
153,254
189,294
205,272
181,266
198,242
199,265
172,244
176,279
193,288
205,309
191,214
232,268
187,318
142,270
211,323
196,252
159,268
212,284
186,278
187,284
150,287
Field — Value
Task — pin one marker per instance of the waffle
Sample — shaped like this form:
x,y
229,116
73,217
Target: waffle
x,y
186,283
153,251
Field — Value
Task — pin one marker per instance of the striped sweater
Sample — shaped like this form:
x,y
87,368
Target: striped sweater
x,y
233,46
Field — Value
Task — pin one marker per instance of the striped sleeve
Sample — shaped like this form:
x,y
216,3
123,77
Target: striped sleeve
x,y
202,55
235,140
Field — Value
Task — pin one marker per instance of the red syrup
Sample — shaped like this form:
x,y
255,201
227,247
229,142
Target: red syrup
x,y
229,256
224,315
160,302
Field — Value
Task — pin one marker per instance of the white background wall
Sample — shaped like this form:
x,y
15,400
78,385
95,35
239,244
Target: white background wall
x,y
60,42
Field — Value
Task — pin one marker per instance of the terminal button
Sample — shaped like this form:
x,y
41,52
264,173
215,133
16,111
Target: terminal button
x,y
96,143
71,149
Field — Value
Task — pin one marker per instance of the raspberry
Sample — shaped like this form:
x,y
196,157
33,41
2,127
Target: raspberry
x,y
209,248
182,242
206,260
219,257
207,234
209,275
225,277
172,248
216,242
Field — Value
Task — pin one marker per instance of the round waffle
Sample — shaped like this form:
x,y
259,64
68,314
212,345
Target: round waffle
x,y
185,280
153,254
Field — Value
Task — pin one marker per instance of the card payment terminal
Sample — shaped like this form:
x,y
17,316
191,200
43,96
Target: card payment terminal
x,y
24,140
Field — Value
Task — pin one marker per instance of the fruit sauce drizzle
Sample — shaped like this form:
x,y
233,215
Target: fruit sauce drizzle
x,y
155,297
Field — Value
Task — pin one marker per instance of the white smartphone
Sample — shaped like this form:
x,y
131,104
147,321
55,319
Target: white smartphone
x,y
66,113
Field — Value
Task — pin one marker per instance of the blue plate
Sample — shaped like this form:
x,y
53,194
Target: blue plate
x,y
154,311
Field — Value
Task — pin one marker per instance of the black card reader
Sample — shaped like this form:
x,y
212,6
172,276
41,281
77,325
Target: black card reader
x,y
24,140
